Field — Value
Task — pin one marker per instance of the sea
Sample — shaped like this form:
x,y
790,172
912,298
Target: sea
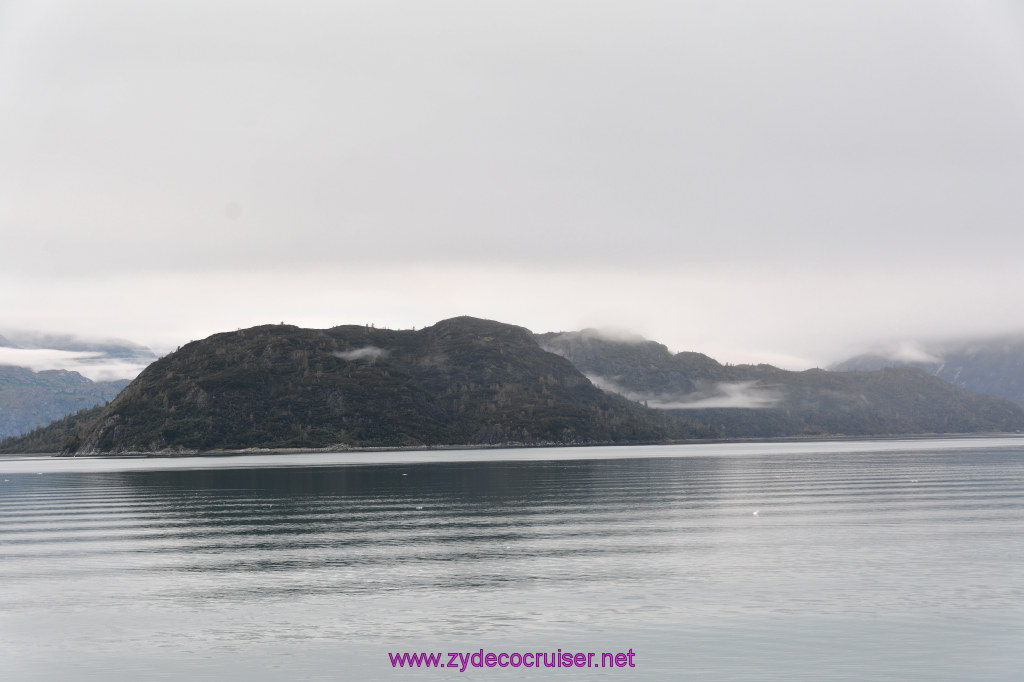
x,y
835,560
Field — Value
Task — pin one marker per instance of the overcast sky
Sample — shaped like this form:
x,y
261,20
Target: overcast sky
x,y
762,181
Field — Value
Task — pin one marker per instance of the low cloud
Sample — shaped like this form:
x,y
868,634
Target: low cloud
x,y
93,365
99,359
743,394
612,334
895,354
910,351
110,370
38,359
609,386
364,353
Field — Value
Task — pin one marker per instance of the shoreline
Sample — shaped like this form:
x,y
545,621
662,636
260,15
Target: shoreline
x,y
340,449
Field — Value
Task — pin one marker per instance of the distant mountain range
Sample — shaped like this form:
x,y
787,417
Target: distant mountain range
x,y
994,366
30,399
467,381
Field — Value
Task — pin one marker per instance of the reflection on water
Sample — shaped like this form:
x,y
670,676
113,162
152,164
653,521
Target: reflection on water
x,y
887,563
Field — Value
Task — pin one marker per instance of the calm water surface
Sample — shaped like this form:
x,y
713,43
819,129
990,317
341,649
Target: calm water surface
x,y
888,560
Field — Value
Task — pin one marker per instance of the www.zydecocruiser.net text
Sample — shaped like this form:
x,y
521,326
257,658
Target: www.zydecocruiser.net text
x,y
462,660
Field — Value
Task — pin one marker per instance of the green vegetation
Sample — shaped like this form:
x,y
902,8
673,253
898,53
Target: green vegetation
x,y
55,437
467,381
462,381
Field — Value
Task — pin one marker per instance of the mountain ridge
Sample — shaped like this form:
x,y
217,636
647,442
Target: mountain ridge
x,y
468,381
461,381
765,401
31,399
993,365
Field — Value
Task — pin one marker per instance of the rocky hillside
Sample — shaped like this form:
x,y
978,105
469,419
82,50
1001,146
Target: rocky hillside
x,y
461,381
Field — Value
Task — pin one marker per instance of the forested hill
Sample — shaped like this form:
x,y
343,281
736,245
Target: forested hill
x,y
461,381
467,381
765,401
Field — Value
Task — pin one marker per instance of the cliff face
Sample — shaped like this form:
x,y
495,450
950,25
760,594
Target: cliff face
x,y
461,381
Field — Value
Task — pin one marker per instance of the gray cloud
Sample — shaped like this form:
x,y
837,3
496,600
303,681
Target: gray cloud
x,y
759,181
99,359
662,133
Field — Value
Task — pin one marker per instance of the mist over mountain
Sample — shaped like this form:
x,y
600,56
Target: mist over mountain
x,y
764,401
96,359
467,381
45,376
993,365
112,348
